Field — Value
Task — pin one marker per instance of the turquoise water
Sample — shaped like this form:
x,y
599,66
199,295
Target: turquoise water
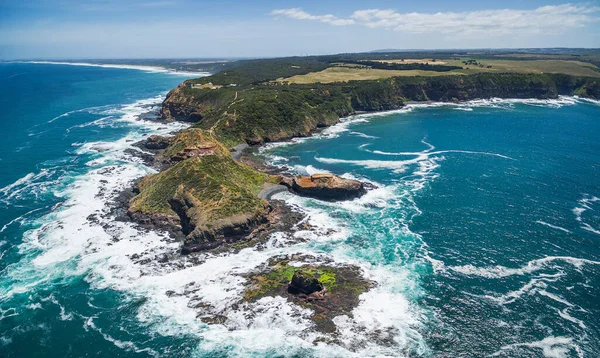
x,y
482,235
489,209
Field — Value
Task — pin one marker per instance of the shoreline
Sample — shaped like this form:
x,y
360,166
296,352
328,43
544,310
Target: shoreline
x,y
155,69
252,155
265,256
164,297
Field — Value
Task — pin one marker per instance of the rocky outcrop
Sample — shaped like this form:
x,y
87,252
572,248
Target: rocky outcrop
x,y
203,232
325,187
191,143
303,282
156,142
203,193
179,106
194,152
270,190
327,288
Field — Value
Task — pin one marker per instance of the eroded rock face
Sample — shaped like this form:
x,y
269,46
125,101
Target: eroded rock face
x,y
325,187
202,232
157,142
195,152
304,283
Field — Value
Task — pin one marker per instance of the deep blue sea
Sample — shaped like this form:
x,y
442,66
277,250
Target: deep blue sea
x,y
482,235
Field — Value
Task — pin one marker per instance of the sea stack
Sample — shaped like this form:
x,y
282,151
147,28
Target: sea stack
x,y
325,187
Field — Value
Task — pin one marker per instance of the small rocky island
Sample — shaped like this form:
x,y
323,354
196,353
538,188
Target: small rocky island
x,y
327,288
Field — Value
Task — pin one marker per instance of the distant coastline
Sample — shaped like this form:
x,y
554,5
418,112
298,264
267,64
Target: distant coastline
x,y
156,69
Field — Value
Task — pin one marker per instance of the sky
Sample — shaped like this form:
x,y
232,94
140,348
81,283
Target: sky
x,y
71,29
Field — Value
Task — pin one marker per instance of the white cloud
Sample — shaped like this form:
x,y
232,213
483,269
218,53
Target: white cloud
x,y
543,20
298,14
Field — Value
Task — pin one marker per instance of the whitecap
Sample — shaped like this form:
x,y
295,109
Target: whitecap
x,y
363,135
18,219
565,315
398,166
531,266
585,203
553,226
552,347
87,110
442,152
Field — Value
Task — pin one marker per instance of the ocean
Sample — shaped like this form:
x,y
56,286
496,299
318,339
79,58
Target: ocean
x,y
482,233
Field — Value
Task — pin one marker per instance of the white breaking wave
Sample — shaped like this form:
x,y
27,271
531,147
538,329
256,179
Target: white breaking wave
x,y
18,219
589,228
586,203
69,244
553,226
589,100
565,315
500,103
87,109
531,266
31,185
442,152
424,159
151,69
398,166
359,134
552,347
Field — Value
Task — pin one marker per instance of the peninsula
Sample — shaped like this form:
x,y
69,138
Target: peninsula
x,y
212,194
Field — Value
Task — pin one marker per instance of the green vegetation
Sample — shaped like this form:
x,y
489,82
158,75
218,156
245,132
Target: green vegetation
x,y
344,286
257,71
224,186
312,63
210,194
270,111
275,280
213,196
409,66
465,66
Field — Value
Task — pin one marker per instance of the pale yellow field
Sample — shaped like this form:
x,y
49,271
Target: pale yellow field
x,y
409,60
575,68
343,74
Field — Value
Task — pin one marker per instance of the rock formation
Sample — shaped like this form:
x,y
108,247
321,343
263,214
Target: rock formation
x,y
303,282
156,142
325,187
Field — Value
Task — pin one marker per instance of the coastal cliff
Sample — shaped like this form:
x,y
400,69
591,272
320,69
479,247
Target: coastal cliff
x,y
211,197
266,112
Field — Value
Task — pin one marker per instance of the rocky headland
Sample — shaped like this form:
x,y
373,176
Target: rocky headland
x,y
216,198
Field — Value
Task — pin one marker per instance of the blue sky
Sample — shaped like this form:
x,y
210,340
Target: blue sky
x,y
184,28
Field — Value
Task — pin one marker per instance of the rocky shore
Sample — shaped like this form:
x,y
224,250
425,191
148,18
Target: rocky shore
x,y
205,194
214,197
219,201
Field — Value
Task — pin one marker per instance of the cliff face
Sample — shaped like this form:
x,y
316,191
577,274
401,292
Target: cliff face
x,y
266,112
192,105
